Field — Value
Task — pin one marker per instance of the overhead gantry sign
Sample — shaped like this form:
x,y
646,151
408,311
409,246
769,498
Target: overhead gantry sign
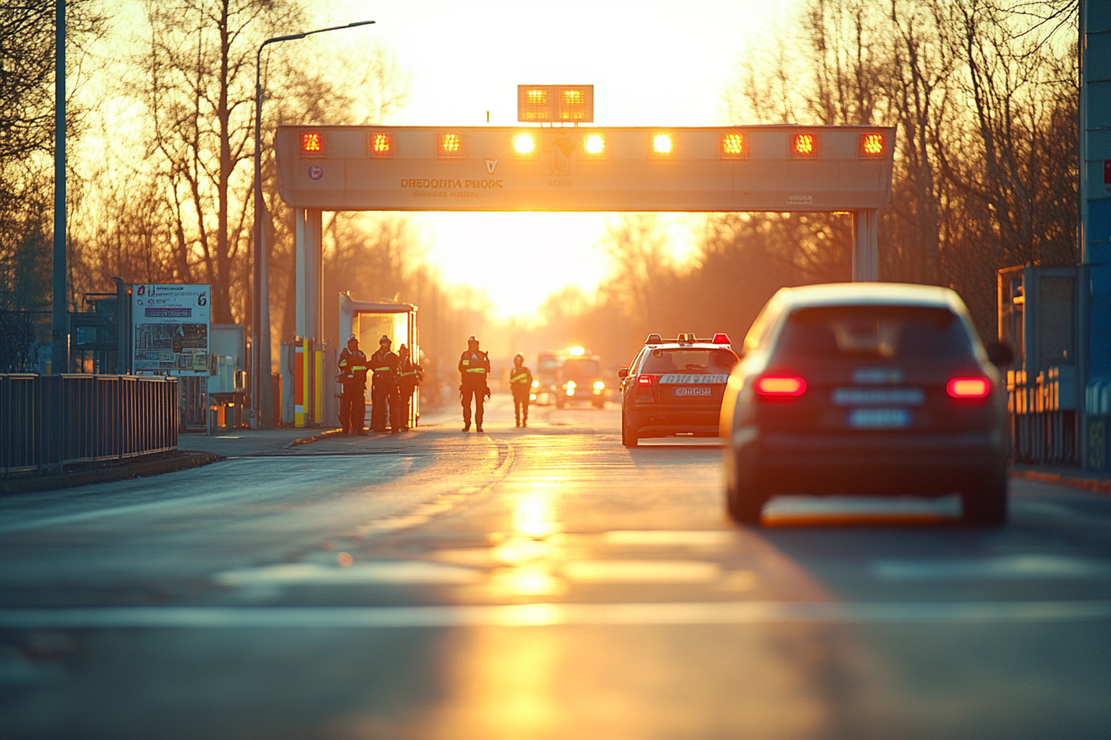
x,y
751,168
581,168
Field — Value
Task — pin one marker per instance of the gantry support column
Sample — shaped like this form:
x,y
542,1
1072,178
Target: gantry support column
x,y
309,244
866,248
309,239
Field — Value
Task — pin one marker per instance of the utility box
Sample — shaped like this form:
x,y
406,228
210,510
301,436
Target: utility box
x,y
1038,317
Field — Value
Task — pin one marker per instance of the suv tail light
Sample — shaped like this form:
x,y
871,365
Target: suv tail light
x,y
963,388
780,387
646,380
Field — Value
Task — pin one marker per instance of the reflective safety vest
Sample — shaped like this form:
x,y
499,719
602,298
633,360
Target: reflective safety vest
x,y
384,364
408,372
520,378
474,367
351,363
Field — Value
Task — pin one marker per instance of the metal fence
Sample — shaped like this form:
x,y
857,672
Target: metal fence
x,y
1043,417
48,422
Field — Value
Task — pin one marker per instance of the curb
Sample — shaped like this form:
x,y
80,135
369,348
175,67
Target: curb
x,y
109,473
1090,484
314,438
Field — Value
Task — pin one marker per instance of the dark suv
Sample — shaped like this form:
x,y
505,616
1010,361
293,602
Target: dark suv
x,y
866,389
674,387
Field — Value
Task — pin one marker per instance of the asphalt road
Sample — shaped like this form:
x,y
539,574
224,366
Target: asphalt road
x,y
541,583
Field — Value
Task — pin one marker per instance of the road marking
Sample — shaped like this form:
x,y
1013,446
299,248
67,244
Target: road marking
x,y
536,615
313,574
691,538
641,571
1017,566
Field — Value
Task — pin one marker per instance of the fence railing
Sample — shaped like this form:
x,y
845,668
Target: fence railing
x,y
48,422
1043,417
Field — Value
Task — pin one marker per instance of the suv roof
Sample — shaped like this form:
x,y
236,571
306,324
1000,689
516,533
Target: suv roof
x,y
905,294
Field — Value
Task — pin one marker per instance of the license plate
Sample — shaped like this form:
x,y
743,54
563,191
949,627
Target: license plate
x,y
887,397
879,418
696,391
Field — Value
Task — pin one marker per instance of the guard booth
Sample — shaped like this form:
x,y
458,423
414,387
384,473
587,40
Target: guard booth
x,y
368,322
1038,317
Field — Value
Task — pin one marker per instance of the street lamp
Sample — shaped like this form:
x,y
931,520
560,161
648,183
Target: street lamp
x,y
261,403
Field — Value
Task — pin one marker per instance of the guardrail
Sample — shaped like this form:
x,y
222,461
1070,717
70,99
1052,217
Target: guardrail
x,y
48,422
1043,416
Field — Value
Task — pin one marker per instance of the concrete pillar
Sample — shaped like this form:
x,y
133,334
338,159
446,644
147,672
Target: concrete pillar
x,y
866,250
309,243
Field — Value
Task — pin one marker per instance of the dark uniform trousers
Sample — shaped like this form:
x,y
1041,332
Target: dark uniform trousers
x,y
383,392
408,378
520,380
352,401
473,368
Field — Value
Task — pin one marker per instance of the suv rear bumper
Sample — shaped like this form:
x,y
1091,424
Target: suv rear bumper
x,y
913,464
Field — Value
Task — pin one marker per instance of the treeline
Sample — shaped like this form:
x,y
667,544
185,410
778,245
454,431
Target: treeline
x,y
160,147
984,98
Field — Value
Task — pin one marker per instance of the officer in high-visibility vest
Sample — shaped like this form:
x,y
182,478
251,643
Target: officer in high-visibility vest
x,y
352,376
383,389
409,376
520,381
474,367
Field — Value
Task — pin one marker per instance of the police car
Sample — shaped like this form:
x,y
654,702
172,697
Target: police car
x,y
674,387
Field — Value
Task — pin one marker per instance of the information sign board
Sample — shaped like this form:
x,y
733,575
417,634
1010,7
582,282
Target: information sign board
x,y
172,325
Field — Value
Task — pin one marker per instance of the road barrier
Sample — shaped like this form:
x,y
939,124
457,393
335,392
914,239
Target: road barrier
x,y
48,422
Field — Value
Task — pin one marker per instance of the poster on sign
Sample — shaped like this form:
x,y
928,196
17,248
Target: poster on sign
x,y
172,325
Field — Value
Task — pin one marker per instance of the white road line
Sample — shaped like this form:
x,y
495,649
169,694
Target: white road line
x,y
1008,567
535,615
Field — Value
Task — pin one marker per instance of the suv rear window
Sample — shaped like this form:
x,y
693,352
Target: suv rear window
x,y
888,332
690,361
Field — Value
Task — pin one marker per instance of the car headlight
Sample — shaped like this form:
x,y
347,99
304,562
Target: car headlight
x,y
570,385
599,385
536,384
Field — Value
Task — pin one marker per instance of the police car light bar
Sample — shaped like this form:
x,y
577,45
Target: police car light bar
x,y
719,338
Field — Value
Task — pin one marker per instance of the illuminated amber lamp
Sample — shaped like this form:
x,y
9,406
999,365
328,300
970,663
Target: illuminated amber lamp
x,y
733,146
449,146
380,144
594,144
873,144
804,145
662,145
312,144
524,145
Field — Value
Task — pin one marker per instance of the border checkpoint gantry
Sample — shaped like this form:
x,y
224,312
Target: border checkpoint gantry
x,y
778,168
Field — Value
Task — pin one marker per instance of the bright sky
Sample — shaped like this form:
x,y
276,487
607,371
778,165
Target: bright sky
x,y
652,63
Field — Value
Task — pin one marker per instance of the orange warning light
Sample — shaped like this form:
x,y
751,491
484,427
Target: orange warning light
x,y
524,145
449,145
662,144
312,143
381,145
872,145
804,145
733,146
594,144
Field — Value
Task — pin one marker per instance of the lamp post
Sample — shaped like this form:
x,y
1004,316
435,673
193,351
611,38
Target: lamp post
x,y
261,403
